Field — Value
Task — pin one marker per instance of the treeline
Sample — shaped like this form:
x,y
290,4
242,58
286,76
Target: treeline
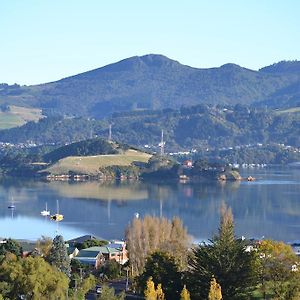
x,y
197,126
167,266
96,146
163,265
255,154
45,273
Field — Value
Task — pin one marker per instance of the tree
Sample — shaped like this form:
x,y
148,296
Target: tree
x,y
109,294
225,258
12,246
58,256
150,292
185,295
159,293
112,269
91,243
32,277
144,236
44,245
279,270
162,269
82,286
215,292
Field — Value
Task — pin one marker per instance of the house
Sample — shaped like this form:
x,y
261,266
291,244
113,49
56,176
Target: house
x,y
187,164
95,256
296,247
90,256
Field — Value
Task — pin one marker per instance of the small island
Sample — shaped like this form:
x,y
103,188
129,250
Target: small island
x,y
100,159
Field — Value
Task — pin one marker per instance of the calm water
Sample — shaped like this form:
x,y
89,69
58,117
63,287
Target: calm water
x,y
268,207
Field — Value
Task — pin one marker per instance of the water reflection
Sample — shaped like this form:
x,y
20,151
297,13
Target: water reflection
x,y
269,207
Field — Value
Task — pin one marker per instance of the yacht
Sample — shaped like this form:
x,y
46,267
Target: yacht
x,y
45,212
57,217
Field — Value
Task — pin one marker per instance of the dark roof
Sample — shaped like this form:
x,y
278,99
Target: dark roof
x,y
94,251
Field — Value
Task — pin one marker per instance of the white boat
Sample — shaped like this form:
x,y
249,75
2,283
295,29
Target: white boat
x,y
45,212
57,217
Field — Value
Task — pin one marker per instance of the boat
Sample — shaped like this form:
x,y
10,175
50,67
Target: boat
x,y
11,206
45,212
57,217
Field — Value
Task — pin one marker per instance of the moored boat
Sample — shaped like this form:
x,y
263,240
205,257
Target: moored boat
x,y
57,217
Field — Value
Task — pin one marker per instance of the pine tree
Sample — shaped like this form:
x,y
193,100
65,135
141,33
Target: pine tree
x,y
150,292
58,256
215,292
225,258
185,295
159,292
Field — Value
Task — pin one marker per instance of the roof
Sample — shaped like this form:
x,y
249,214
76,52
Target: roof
x,y
85,253
83,238
94,251
116,246
104,249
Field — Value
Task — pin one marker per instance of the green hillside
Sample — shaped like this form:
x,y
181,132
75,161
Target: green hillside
x,y
157,82
92,164
13,116
190,127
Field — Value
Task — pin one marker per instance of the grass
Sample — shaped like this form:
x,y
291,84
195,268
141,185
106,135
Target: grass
x,y
289,110
91,164
18,116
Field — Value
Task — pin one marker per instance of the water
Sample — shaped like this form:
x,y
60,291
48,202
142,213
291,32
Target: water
x,y
268,207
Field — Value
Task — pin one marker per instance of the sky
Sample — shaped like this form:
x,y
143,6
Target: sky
x,y
46,40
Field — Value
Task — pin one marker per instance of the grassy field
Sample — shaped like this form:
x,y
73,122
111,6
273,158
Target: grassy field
x,y
18,116
91,164
289,110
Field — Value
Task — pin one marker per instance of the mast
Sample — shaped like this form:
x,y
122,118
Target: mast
x,y
109,133
162,144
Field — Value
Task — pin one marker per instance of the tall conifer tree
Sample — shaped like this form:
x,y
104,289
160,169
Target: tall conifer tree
x,y
225,258
58,256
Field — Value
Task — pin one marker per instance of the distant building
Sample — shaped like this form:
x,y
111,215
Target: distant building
x,y
96,256
188,164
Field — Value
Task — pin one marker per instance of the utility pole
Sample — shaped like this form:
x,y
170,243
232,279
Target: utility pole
x,y
109,133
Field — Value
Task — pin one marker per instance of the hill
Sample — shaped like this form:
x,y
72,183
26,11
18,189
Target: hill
x,y
199,126
97,164
13,116
157,82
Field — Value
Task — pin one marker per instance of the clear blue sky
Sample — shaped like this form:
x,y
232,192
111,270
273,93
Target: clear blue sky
x,y
45,40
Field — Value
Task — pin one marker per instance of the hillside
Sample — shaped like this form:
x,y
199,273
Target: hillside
x,y
195,127
157,82
13,116
93,165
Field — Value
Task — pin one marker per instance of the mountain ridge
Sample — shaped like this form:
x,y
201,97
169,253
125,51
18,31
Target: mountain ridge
x,y
156,82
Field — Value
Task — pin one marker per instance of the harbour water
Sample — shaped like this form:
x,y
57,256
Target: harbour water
x,y
268,207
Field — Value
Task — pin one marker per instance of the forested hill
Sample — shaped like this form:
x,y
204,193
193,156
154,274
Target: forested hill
x,y
198,126
157,82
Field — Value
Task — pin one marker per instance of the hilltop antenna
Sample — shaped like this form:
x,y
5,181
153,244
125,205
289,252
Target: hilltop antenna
x,y
109,133
162,144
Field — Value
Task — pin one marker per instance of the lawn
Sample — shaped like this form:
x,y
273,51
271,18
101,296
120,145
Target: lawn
x,y
91,164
